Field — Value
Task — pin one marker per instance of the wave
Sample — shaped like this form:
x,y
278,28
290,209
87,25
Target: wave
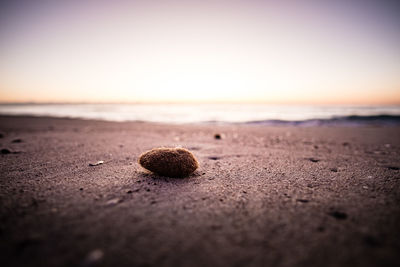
x,y
352,120
215,113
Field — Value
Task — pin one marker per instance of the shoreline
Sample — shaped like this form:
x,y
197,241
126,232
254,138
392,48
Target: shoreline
x,y
383,120
264,195
307,115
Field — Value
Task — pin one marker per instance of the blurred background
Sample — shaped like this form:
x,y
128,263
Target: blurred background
x,y
200,61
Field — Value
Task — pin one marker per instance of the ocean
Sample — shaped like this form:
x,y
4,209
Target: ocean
x,y
215,113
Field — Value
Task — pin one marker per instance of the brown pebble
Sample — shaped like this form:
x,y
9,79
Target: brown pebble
x,y
170,162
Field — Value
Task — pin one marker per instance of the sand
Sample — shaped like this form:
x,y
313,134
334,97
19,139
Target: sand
x,y
263,196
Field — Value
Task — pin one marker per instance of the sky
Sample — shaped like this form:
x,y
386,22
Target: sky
x,y
277,52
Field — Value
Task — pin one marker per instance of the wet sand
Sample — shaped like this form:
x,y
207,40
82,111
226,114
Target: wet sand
x,y
263,196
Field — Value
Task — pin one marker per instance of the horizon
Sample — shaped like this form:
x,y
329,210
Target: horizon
x,y
300,104
188,52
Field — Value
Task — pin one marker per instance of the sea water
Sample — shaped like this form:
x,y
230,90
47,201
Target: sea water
x,y
213,113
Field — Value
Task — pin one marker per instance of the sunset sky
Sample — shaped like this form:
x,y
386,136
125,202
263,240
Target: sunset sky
x,y
341,52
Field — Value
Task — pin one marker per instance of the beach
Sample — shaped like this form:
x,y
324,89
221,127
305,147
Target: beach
x,y
263,195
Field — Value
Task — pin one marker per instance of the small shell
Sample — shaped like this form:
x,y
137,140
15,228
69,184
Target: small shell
x,y
170,162
97,163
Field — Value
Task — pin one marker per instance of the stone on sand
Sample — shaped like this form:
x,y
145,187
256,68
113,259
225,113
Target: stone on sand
x,y
170,162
